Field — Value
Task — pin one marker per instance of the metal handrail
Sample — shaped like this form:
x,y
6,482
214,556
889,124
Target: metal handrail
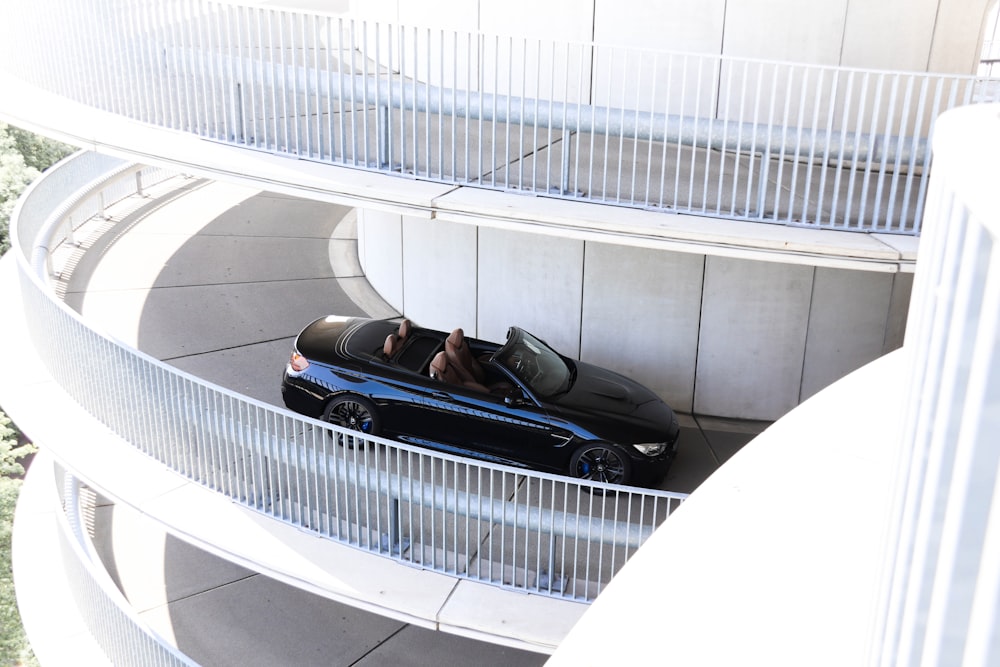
x,y
49,237
604,120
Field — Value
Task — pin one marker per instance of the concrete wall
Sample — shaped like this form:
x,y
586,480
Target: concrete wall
x,y
382,257
919,35
641,315
545,50
440,274
712,335
755,316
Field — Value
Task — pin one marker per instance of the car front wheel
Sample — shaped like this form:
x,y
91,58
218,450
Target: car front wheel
x,y
354,413
599,462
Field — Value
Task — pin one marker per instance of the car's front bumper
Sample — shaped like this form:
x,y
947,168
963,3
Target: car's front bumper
x,y
650,471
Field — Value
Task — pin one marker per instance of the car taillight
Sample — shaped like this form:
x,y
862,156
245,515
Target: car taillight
x,y
298,362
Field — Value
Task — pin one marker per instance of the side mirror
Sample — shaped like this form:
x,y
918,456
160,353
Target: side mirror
x,y
513,398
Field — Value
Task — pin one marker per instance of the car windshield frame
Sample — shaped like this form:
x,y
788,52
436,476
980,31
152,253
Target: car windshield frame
x,y
542,370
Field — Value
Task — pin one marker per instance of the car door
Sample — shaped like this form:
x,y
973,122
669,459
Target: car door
x,y
508,428
467,422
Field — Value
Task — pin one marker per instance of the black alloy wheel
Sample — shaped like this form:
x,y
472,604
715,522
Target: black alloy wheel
x,y
354,413
601,463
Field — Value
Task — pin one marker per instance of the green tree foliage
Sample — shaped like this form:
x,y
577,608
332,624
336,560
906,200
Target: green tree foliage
x,y
14,647
10,450
38,152
22,157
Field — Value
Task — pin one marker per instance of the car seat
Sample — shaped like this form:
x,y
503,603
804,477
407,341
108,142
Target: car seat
x,y
391,346
444,371
461,358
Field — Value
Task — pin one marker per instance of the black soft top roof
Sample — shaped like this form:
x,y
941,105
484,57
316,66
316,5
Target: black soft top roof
x,y
366,340
334,339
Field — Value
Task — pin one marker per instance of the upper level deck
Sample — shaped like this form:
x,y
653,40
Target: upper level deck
x,y
705,135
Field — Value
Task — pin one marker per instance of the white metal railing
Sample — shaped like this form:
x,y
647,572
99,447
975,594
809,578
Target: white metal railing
x,y
116,628
543,533
940,582
773,142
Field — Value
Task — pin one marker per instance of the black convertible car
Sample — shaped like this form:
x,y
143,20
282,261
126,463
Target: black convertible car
x,y
520,403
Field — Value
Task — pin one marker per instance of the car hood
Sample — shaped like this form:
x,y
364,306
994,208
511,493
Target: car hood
x,y
614,401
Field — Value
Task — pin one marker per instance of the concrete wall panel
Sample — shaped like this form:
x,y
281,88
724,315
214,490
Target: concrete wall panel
x,y
439,273
571,20
380,251
447,15
443,55
925,35
868,44
536,63
785,31
753,333
958,36
847,323
673,25
531,281
792,30
640,316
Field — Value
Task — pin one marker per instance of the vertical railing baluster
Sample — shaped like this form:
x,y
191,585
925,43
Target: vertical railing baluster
x,y
550,115
894,177
582,62
782,145
354,101
797,153
411,92
340,98
693,163
365,160
810,165
428,84
324,102
400,90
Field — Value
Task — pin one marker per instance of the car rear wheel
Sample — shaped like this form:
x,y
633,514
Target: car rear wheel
x,y
354,413
600,462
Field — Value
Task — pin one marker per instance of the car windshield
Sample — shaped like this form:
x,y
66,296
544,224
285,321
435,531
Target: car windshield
x,y
536,364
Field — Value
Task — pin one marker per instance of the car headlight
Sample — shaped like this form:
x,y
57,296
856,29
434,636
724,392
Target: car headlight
x,y
651,448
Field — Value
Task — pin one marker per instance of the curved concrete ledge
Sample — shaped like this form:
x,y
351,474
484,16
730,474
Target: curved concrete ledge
x,y
679,232
781,548
240,535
